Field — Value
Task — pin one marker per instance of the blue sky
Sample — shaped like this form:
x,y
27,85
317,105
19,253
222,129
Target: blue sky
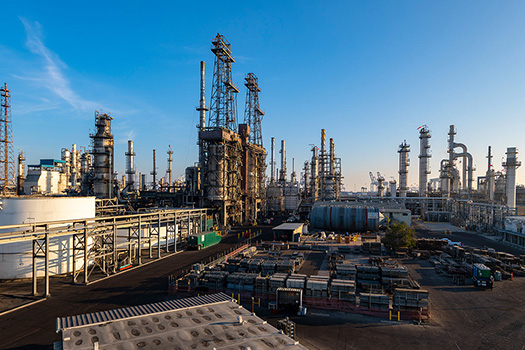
x,y
369,72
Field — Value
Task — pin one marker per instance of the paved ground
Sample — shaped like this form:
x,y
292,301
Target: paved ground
x,y
462,317
33,327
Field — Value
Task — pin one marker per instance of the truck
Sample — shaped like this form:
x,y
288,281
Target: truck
x,y
203,240
482,276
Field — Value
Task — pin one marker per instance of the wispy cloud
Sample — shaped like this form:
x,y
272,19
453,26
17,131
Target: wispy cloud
x,y
52,77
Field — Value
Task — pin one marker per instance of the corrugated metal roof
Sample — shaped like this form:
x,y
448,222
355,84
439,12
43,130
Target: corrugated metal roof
x,y
288,226
141,310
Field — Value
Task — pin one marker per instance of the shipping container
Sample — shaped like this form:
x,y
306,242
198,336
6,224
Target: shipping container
x,y
204,240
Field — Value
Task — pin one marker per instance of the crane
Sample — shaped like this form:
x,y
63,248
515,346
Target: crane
x,y
373,182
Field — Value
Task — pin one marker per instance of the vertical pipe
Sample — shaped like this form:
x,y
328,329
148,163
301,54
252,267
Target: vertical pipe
x,y
35,271
46,264
85,252
272,162
282,174
202,125
154,172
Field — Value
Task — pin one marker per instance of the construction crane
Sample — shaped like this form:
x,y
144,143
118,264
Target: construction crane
x,y
373,182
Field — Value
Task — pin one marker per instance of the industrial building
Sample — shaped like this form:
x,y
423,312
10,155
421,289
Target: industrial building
x,y
207,322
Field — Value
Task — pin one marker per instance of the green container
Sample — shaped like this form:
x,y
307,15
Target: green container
x,y
204,239
480,270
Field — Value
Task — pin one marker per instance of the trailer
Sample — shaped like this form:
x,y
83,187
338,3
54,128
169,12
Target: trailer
x,y
203,240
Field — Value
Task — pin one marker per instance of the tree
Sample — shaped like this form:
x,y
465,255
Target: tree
x,y
399,235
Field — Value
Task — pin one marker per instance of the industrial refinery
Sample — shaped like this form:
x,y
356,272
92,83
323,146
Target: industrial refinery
x,y
243,232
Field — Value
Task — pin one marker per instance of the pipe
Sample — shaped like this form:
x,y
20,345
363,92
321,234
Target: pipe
x,y
272,162
469,167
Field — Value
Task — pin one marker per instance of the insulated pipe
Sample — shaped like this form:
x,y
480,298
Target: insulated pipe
x,y
464,173
315,173
74,165
469,167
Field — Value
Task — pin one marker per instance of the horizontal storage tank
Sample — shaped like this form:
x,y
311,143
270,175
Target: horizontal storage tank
x,y
16,258
204,240
344,217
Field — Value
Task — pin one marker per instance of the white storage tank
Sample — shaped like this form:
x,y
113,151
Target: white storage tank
x,y
16,258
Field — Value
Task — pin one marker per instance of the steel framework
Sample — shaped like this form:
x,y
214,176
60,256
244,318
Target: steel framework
x,y
7,155
223,103
98,244
253,113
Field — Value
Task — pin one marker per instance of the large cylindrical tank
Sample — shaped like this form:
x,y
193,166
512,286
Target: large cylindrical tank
x,y
344,217
16,258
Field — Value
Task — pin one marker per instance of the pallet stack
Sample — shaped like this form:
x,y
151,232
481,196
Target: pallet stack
x,y
278,280
261,284
317,287
215,279
346,271
296,281
374,301
343,290
410,299
394,277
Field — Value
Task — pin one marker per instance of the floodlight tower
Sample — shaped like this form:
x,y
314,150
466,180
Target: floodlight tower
x,y
7,155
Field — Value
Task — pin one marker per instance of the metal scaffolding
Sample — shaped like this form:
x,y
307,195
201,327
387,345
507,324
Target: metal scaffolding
x,y
7,156
253,113
103,243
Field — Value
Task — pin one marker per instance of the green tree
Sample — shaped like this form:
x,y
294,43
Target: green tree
x,y
399,235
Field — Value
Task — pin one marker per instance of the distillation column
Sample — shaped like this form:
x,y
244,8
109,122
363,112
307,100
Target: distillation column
x,y
490,176
170,171
103,156
511,165
282,171
403,150
424,157
130,166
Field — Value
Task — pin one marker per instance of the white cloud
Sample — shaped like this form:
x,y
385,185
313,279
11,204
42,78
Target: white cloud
x,y
52,77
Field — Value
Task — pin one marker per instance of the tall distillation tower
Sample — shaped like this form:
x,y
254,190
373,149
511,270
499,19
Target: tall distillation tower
x,y
130,166
511,164
221,162
103,156
7,155
403,151
424,158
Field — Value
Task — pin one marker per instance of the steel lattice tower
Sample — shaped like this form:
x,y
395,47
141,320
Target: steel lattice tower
x,y
253,113
223,106
7,156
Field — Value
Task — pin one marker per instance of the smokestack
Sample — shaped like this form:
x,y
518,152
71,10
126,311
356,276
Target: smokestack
x,y
511,165
424,157
202,106
293,175
154,172
282,174
272,163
